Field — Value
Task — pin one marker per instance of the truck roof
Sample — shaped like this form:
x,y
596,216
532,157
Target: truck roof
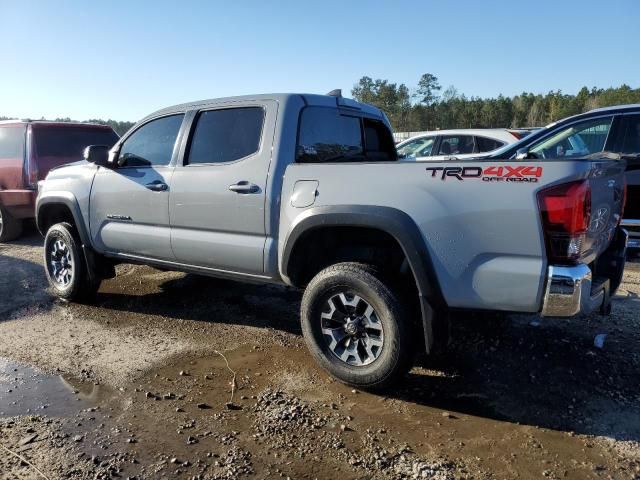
x,y
53,123
309,99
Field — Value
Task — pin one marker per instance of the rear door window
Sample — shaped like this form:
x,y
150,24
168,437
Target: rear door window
x,y
226,135
70,142
456,145
12,142
487,144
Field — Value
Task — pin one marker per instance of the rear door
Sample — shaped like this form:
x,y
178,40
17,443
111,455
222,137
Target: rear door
x,y
217,200
130,204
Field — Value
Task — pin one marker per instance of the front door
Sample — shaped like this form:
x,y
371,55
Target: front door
x,y
217,199
130,204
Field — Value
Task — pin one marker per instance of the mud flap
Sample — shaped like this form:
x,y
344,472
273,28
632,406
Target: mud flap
x,y
96,269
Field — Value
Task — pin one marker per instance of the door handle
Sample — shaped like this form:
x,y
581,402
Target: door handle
x,y
244,187
157,186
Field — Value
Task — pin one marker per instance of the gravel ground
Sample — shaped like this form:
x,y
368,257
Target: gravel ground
x,y
137,386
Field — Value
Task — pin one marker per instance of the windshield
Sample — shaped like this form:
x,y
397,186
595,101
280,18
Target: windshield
x,y
69,142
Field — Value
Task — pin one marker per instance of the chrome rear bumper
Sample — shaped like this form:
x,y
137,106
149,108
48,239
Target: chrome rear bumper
x,y
634,231
569,292
572,289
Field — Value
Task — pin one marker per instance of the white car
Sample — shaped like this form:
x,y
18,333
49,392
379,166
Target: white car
x,y
456,144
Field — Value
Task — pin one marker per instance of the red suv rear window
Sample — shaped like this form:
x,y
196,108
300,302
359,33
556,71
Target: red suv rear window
x,y
69,142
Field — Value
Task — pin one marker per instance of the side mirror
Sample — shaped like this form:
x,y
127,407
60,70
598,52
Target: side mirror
x,y
98,154
522,153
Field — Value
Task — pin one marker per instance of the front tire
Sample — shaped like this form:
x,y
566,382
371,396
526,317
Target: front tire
x,y
65,265
356,327
10,227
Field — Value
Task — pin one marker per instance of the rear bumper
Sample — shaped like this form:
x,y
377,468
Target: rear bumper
x,y
633,226
575,289
19,203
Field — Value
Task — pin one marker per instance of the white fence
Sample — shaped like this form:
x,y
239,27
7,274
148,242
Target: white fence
x,y
402,136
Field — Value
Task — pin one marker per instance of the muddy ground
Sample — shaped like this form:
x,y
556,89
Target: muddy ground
x,y
137,386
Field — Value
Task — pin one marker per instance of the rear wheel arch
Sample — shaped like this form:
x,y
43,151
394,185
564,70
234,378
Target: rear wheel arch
x,y
392,223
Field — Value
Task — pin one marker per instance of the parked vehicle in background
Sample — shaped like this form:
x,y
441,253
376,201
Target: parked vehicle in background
x,y
611,129
28,150
459,144
306,190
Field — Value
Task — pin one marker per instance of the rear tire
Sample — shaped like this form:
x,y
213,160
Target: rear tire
x,y
10,227
356,327
65,265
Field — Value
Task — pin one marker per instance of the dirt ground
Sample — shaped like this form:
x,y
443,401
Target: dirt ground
x,y
138,386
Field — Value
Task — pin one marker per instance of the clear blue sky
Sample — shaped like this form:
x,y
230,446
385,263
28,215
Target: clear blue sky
x,y
124,59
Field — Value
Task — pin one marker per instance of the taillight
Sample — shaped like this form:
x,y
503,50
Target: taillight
x,y
566,213
30,171
32,175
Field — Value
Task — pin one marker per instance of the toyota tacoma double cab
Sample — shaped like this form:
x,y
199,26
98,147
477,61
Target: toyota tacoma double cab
x,y
307,191
28,150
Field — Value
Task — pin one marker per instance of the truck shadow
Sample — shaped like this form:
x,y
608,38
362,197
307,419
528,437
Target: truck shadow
x,y
549,376
499,367
203,299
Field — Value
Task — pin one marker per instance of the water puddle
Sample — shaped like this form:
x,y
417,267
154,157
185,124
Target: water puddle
x,y
26,391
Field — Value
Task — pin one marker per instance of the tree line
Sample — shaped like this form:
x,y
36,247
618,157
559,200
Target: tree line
x,y
426,108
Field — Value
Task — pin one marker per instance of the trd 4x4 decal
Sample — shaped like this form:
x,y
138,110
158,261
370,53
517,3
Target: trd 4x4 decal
x,y
494,173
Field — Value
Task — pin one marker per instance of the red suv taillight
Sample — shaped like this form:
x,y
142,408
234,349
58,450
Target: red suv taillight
x,y
32,175
566,213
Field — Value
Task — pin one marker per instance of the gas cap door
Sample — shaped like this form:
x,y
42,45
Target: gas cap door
x,y
304,193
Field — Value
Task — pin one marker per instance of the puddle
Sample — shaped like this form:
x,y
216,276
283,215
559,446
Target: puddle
x,y
26,391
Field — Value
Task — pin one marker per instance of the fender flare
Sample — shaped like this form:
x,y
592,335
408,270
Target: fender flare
x,y
392,221
69,200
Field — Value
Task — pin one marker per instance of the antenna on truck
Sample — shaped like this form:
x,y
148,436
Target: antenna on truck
x,y
335,93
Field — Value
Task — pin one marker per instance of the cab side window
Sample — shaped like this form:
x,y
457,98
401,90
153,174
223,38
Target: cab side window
x,y
152,144
325,135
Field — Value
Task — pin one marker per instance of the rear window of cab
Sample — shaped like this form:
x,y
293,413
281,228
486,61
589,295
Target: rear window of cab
x,y
327,135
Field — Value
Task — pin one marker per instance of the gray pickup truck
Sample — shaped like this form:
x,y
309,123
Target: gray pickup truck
x,y
307,191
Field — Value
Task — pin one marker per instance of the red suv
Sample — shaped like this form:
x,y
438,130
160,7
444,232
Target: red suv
x,y
28,150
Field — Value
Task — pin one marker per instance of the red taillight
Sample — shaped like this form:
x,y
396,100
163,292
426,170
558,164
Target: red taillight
x,y
566,213
32,178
